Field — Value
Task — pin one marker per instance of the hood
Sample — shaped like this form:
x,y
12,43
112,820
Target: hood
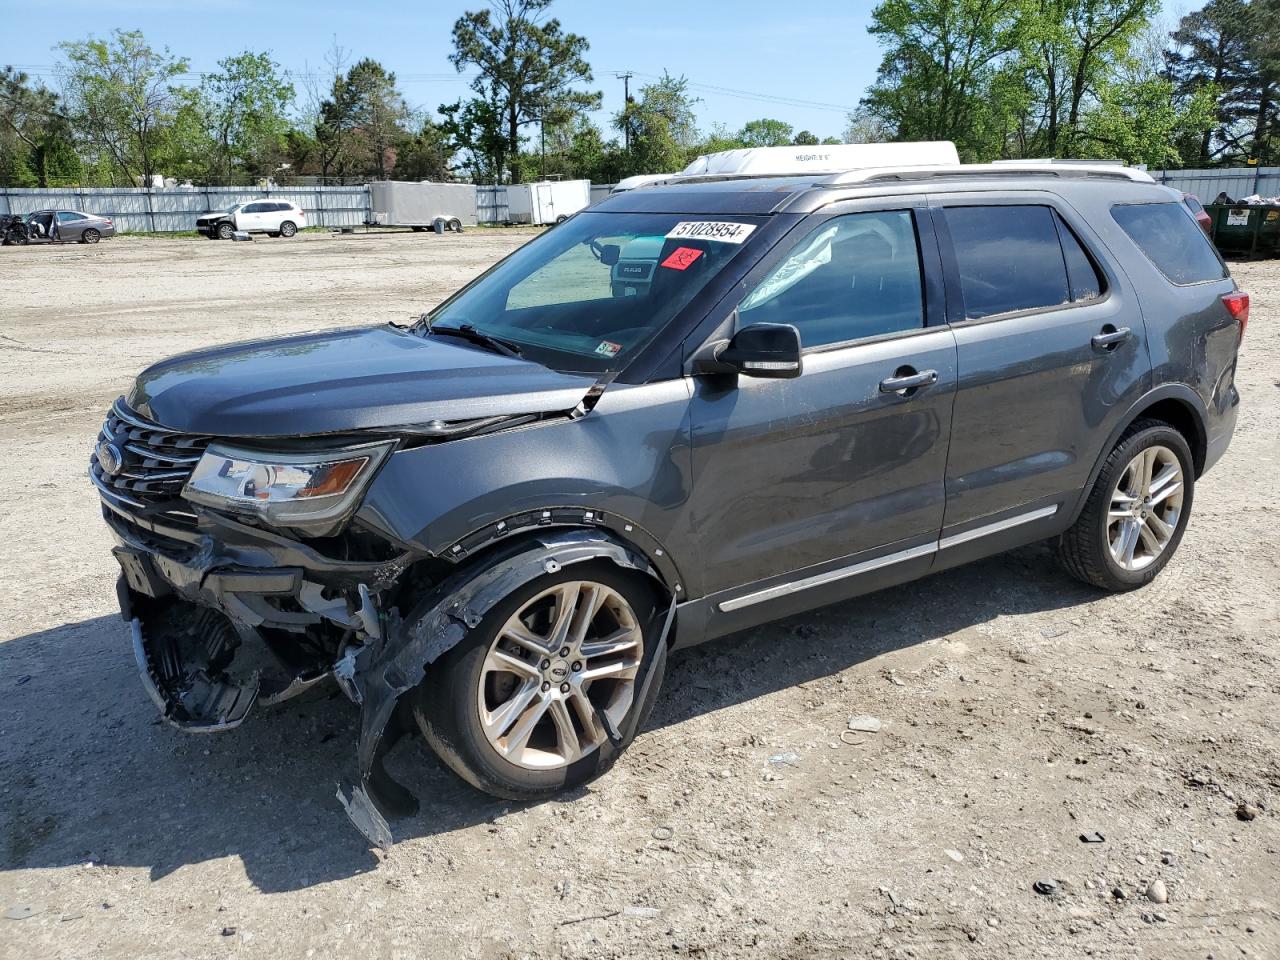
x,y
345,380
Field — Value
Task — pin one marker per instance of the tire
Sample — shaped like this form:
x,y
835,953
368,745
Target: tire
x,y
288,229
225,230
454,225
90,236
1096,547
562,218
447,705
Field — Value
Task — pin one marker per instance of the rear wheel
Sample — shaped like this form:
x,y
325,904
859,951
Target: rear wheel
x,y
1137,511
90,236
523,707
225,230
454,224
288,228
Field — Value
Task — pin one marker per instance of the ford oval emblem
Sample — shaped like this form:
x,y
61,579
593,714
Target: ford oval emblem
x,y
110,459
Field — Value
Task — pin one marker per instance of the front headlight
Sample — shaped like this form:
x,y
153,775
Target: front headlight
x,y
310,491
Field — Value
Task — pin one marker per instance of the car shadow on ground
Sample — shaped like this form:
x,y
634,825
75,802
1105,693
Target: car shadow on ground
x,y
89,772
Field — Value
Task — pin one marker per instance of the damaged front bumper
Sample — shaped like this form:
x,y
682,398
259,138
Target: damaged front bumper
x,y
227,616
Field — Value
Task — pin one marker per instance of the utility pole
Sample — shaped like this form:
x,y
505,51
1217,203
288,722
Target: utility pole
x,y
626,102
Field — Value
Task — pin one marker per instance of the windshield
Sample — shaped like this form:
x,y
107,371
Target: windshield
x,y
588,294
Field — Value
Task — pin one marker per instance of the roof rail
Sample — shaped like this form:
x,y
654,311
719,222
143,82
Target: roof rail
x,y
1042,168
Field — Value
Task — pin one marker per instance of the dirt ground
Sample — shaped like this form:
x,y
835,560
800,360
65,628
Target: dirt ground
x,y
1020,710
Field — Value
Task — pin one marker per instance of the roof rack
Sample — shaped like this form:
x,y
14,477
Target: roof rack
x,y
1045,168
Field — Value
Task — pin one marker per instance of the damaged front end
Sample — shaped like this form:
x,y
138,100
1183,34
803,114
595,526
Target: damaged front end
x,y
227,611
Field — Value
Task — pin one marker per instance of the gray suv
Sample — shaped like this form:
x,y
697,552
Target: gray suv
x,y
494,524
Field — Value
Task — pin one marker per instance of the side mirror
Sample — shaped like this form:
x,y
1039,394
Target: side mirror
x,y
769,350
609,253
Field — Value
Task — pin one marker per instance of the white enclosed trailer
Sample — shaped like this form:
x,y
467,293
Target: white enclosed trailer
x,y
396,203
547,201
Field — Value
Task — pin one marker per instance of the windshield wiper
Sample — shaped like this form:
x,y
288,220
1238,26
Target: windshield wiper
x,y
469,333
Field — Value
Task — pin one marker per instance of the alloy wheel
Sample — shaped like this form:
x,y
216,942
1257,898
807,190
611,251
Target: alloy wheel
x,y
1146,508
565,661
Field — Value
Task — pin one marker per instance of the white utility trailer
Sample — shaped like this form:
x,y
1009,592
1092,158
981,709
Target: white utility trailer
x,y
547,201
423,206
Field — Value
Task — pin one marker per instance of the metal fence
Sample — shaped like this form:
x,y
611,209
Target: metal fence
x,y
491,204
172,209
1234,182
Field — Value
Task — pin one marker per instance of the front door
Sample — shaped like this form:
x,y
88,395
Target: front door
x,y
845,463
1052,351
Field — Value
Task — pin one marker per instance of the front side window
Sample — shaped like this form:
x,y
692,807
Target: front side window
x,y
1172,240
852,277
588,294
1009,257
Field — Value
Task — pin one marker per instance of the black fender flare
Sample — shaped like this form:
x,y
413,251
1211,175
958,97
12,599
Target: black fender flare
x,y
382,671
1168,391
627,532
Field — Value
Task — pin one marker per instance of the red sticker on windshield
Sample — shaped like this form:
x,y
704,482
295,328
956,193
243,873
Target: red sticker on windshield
x,y
682,258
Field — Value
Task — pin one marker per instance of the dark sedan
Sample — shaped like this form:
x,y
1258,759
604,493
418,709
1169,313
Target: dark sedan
x,y
67,226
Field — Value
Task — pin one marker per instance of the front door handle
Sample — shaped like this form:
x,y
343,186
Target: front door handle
x,y
1110,337
906,383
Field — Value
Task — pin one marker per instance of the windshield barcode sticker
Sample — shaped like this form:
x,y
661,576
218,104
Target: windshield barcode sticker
x,y
720,231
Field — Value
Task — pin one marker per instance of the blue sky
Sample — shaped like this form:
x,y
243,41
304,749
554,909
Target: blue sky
x,y
805,64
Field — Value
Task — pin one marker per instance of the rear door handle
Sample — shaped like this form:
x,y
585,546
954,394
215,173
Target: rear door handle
x,y
912,381
1110,338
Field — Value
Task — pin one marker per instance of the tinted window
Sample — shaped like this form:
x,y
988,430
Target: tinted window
x,y
1009,259
1171,239
255,208
1086,282
852,277
65,216
280,206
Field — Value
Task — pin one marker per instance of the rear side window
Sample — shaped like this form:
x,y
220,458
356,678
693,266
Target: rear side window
x,y
1171,239
1010,259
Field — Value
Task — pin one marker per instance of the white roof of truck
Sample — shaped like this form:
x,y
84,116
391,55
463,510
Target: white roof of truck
x,y
833,158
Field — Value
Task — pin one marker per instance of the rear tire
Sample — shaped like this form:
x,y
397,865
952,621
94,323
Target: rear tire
x,y
288,229
90,236
1137,511
459,706
454,224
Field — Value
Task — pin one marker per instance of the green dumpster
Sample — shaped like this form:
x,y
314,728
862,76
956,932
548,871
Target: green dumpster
x,y
1251,230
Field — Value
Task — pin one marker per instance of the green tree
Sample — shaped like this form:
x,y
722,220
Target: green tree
x,y
121,94
1234,47
765,133
806,139
662,127
940,62
32,128
428,155
475,131
529,68
380,112
246,102
1071,49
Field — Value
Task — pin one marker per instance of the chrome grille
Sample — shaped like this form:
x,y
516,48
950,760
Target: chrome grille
x,y
154,461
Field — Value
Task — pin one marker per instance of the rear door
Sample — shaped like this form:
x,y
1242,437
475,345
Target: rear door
x,y
802,486
1051,351
70,225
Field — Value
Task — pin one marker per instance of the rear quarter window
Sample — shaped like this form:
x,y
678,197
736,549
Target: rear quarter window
x,y
1172,240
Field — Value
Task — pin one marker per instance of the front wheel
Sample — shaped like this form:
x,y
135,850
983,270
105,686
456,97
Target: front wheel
x,y
225,230
288,229
545,693
1137,510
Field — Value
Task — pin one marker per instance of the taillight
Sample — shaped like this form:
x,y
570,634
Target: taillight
x,y
1237,305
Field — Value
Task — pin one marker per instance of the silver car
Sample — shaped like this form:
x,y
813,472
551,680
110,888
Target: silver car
x,y
67,226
